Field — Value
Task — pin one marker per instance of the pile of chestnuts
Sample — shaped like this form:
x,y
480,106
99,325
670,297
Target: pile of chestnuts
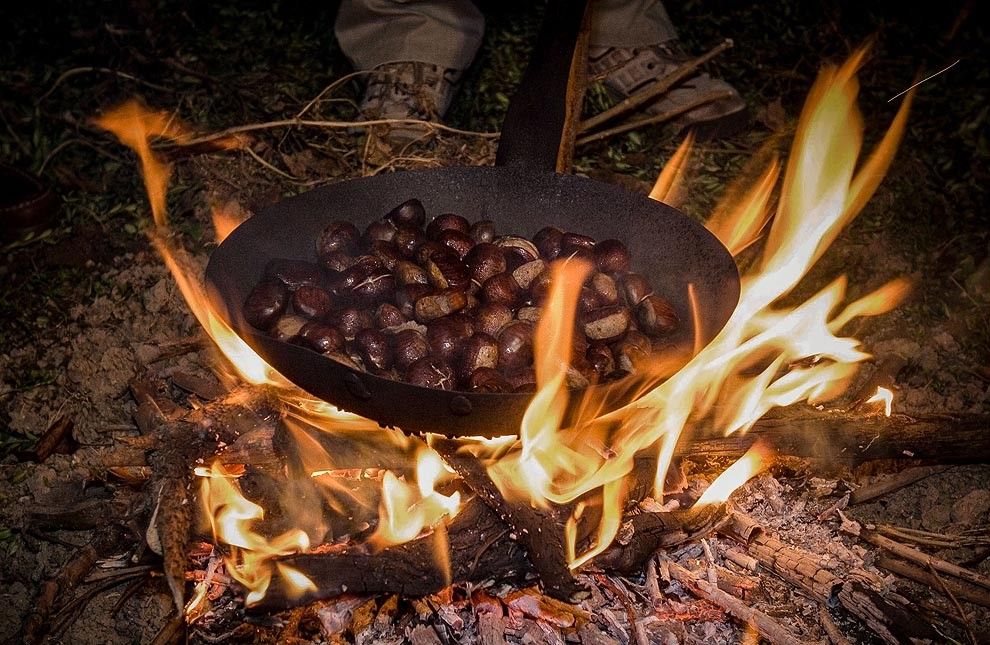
x,y
453,305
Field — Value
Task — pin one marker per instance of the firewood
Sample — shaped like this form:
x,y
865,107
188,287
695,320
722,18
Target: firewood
x,y
962,590
539,530
765,625
844,438
889,485
831,629
892,622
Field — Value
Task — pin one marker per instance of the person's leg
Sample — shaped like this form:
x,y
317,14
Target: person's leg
x,y
416,51
446,33
634,44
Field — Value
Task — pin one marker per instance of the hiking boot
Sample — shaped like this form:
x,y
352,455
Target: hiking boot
x,y
627,71
408,90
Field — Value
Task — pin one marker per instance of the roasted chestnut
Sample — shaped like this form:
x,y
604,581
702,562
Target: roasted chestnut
x,y
501,289
265,303
656,316
484,261
634,288
388,254
338,237
515,346
447,272
526,273
448,335
483,231
523,380
363,268
378,230
294,273
408,346
312,302
440,304
350,321
431,372
604,288
374,348
406,297
376,288
490,318
480,350
612,256
606,324
287,327
321,337
388,315
408,240
446,222
409,213
548,241
486,379
458,241
571,242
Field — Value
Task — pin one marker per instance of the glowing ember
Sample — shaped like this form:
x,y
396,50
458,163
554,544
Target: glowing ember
x,y
884,396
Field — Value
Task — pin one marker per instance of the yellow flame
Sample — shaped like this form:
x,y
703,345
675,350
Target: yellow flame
x,y
744,469
766,356
884,396
406,510
667,187
232,518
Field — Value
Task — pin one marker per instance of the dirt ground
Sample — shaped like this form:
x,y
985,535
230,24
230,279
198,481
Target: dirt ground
x,y
86,304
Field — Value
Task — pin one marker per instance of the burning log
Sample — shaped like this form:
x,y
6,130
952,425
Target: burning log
x,y
852,438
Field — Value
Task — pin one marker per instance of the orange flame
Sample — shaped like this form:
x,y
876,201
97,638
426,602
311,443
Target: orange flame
x,y
669,183
744,469
766,356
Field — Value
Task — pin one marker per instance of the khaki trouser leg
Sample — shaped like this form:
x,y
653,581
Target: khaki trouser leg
x,y
440,32
448,32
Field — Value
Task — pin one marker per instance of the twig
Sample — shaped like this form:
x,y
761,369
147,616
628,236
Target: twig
x,y
305,123
75,71
623,598
332,86
655,90
964,590
962,613
914,555
936,540
765,625
269,166
889,485
831,629
650,120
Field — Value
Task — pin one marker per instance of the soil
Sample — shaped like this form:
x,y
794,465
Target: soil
x,y
88,303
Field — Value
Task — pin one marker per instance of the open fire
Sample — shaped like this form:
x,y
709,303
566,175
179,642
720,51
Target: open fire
x,y
768,355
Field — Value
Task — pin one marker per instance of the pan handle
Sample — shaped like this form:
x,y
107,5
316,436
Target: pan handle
x,y
534,123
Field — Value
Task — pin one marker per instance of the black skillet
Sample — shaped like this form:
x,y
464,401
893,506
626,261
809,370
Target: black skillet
x,y
522,194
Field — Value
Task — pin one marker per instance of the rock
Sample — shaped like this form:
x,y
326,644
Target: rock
x,y
972,508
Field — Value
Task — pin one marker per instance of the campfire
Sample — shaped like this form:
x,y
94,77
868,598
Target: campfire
x,y
298,502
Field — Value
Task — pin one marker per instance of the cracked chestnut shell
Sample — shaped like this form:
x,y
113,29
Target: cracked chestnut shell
x,y
409,213
312,302
363,268
388,254
606,324
410,273
376,288
605,288
265,303
447,222
408,240
321,337
408,346
635,287
407,295
338,237
287,327
430,372
447,272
